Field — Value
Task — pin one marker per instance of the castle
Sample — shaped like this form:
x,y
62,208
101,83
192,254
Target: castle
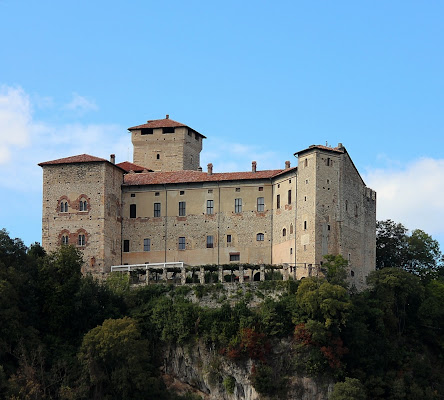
x,y
162,207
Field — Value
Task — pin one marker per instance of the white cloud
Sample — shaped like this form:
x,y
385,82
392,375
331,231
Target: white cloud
x,y
81,104
15,119
413,195
24,141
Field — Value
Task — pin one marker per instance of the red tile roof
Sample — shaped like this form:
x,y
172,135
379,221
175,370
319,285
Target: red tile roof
x,y
129,166
321,147
159,178
163,123
81,158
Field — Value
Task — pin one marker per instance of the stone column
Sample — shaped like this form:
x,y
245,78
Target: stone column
x,y
183,275
165,273
202,275
241,274
262,272
221,275
285,272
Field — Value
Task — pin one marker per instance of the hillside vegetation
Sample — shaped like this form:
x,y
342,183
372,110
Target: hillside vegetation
x,y
67,336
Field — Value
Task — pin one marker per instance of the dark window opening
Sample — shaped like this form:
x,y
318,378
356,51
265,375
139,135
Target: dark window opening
x,y
278,201
157,209
83,205
133,195
261,188
291,229
82,240
167,130
260,204
210,242
210,207
260,237
352,273
228,238
158,156
182,243
182,192
146,244
182,208
64,206
305,225
157,194
289,197
65,239
237,205
284,232
126,246
235,257
146,131
132,211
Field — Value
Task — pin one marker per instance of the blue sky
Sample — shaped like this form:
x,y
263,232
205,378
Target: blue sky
x,y
260,79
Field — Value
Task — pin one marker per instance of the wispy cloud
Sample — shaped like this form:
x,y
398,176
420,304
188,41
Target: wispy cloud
x,y
15,120
412,195
24,141
81,104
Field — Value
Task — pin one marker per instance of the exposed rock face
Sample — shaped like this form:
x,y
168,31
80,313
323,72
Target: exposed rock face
x,y
201,369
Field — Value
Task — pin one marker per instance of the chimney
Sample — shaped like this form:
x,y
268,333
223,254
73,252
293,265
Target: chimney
x,y
253,166
199,169
340,146
112,158
287,164
167,116
210,169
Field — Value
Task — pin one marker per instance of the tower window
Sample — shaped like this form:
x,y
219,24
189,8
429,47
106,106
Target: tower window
x,y
284,232
146,244
260,204
65,238
210,207
81,240
210,242
291,229
278,201
167,130
237,205
132,211
289,197
126,246
182,208
182,243
83,206
64,206
305,225
228,238
234,256
146,131
158,156
157,209
261,189
260,237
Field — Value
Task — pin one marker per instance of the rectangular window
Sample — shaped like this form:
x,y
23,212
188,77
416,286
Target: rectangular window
x,y
157,209
182,208
168,130
182,192
210,207
234,256
126,246
228,238
261,188
278,201
182,243
132,211
146,244
305,225
237,205
260,204
289,197
81,241
210,242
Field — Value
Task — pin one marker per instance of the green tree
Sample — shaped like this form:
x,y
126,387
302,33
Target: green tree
x,y
423,253
350,389
336,269
116,364
391,244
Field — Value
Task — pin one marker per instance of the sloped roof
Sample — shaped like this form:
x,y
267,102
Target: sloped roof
x,y
81,158
129,166
163,123
321,147
159,178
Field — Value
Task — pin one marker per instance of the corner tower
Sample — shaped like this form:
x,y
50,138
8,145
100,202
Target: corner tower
x,y
166,145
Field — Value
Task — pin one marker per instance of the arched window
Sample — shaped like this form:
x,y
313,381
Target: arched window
x,y
63,206
83,205
284,232
81,240
65,239
260,237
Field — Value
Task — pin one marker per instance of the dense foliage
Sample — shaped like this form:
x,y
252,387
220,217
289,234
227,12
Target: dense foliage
x,y
65,336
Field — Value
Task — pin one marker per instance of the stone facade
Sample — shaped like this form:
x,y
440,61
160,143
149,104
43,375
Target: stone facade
x,y
169,210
